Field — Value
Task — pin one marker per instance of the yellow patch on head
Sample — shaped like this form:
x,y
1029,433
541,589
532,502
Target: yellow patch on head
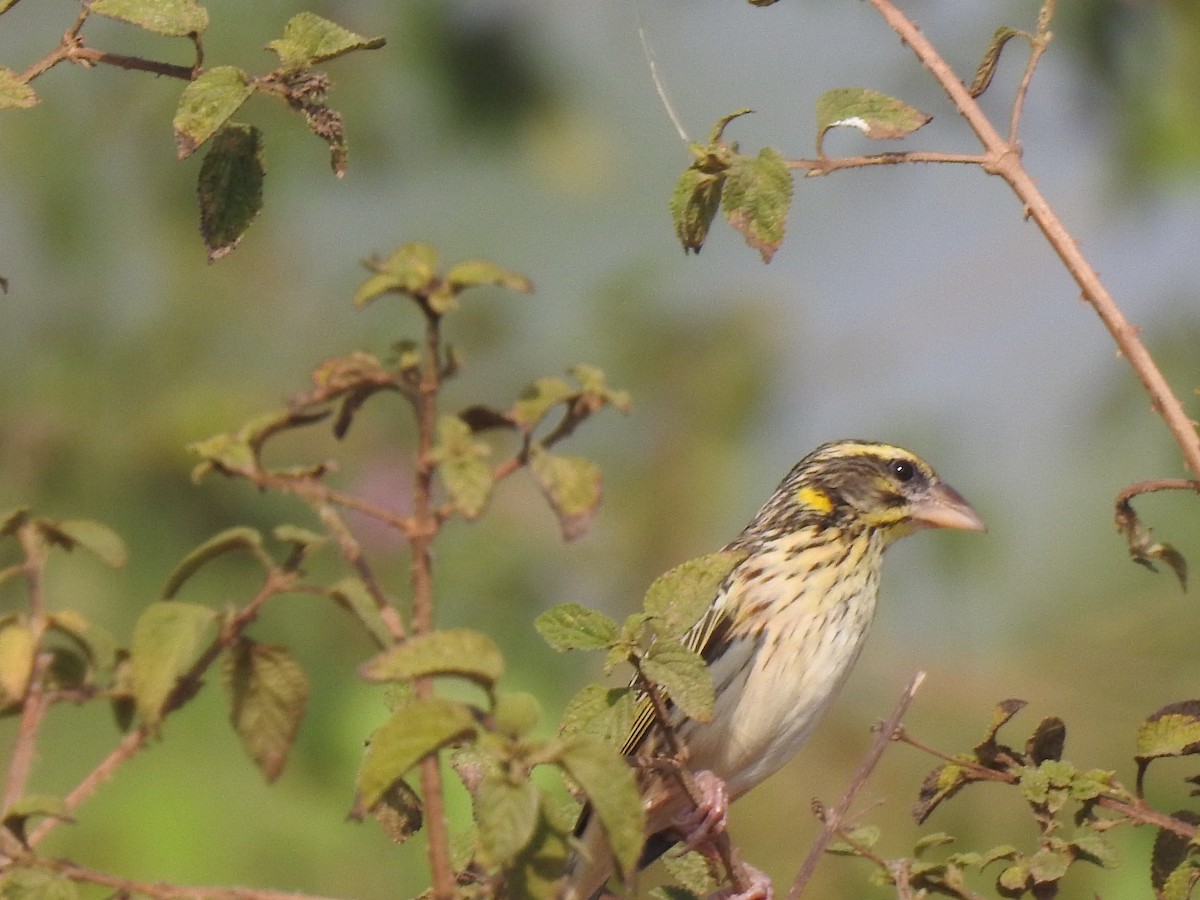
x,y
815,499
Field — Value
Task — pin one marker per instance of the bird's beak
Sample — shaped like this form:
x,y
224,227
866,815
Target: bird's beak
x,y
944,507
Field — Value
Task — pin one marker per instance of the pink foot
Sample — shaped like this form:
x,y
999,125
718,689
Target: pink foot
x,y
709,816
759,889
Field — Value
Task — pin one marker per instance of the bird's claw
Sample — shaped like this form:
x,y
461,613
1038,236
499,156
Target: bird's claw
x,y
759,887
709,816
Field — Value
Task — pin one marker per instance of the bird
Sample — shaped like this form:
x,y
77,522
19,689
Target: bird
x,y
783,630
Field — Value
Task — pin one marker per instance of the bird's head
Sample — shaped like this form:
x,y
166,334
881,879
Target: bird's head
x,y
865,484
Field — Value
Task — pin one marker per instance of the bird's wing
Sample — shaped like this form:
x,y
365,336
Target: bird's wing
x,y
704,637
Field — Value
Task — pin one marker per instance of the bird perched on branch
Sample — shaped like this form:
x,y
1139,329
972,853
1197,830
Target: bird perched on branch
x,y
780,637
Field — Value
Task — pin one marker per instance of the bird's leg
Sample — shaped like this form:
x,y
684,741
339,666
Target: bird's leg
x,y
758,888
708,819
709,814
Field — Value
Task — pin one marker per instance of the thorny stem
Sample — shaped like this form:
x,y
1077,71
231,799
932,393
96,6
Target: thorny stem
x,y
425,528
1004,159
835,817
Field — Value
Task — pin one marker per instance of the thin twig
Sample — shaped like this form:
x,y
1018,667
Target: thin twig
x,y
834,818
160,891
826,164
1004,159
353,554
33,710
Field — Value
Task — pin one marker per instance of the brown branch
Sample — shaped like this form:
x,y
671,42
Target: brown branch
x,y
33,710
1004,159
161,891
826,164
835,818
1153,485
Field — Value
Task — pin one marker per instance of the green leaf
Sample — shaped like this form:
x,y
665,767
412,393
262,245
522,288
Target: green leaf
x,y
928,841
571,484
353,596
474,272
240,538
679,597
876,115
757,197
173,18
463,467
683,674
36,884
399,812
451,651
517,713
694,203
206,104
411,269
167,639
1049,864
605,713
506,813
17,651
1094,848
612,790
308,39
1173,730
230,188
14,93
537,870
941,784
570,626
538,399
31,806
99,540
268,692
991,58
412,733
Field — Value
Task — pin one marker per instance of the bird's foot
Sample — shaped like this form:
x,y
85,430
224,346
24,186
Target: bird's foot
x,y
710,814
758,888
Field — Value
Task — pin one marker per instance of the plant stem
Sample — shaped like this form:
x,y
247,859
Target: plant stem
x,y
425,528
1004,159
835,818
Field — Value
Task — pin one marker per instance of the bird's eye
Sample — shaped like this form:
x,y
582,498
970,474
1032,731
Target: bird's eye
x,y
903,469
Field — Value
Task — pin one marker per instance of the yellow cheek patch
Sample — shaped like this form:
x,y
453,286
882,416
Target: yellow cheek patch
x,y
814,499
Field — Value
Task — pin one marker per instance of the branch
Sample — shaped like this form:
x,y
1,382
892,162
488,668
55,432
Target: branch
x,y
834,819
159,890
1004,159
826,164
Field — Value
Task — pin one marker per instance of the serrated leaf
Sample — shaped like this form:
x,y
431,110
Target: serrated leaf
x,y
1173,852
611,788
463,467
411,269
991,58
240,538
940,784
36,884
694,203
572,485
1094,848
14,93
1174,730
99,540
506,814
757,197
570,626
399,812
353,596
451,651
683,674
474,272
605,713
1047,740
268,693
167,639
693,873
538,399
679,597
1049,864
206,104
17,651
876,115
173,18
308,39
416,730
230,188
1180,884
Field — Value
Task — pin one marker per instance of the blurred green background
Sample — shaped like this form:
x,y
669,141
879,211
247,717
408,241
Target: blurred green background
x,y
913,305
